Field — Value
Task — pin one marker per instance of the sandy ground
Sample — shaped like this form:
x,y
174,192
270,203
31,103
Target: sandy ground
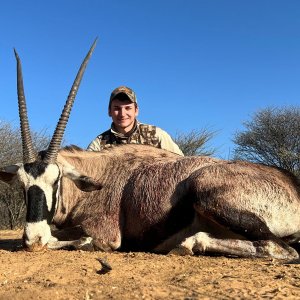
x,y
79,275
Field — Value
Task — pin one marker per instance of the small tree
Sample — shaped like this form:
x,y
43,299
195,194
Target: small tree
x,y
272,137
12,204
195,142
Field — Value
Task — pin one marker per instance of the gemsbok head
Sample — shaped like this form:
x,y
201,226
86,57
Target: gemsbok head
x,y
40,175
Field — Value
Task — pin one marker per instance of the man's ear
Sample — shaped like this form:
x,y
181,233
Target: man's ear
x,y
136,111
109,113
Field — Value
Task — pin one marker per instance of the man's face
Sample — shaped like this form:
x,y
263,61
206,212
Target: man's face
x,y
123,114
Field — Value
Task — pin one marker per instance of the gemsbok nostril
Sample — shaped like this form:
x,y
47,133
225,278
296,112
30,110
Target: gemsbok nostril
x,y
34,246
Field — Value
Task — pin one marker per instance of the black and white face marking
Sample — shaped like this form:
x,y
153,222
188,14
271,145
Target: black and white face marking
x,y
41,186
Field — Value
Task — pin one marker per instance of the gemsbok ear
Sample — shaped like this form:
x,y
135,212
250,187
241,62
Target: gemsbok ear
x,y
87,184
83,182
9,174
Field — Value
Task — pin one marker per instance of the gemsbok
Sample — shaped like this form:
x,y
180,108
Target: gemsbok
x,y
140,198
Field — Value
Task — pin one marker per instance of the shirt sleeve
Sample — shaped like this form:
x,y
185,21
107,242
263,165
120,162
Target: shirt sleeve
x,y
167,143
95,145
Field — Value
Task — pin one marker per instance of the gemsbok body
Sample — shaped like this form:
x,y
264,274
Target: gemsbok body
x,y
141,198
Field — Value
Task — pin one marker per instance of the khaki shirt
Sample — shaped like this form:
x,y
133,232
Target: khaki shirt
x,y
141,134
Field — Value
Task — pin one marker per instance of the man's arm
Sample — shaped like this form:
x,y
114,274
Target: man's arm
x,y
95,145
167,143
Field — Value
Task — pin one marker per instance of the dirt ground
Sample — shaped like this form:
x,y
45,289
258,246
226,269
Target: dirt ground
x,y
79,275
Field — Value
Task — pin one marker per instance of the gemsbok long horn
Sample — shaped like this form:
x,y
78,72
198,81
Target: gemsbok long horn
x,y
29,154
54,145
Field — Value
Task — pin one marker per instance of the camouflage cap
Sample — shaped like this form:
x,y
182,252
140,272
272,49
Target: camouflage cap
x,y
123,90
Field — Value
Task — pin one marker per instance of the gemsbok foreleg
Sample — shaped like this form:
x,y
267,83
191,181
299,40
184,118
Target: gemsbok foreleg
x,y
84,243
70,238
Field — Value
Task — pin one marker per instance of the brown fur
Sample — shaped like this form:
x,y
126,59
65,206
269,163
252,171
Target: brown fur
x,y
150,194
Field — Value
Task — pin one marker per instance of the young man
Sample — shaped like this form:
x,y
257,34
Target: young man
x,y
126,129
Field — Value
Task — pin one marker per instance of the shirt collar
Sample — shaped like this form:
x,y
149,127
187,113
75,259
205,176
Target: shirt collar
x,y
126,135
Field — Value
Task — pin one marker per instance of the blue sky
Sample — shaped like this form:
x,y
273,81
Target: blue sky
x,y
193,64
